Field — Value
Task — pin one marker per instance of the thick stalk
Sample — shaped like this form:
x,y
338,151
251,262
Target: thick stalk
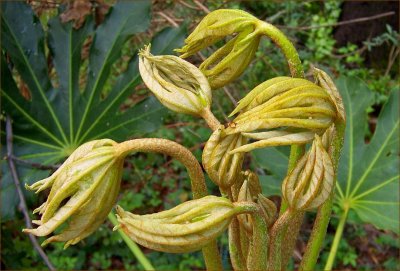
x,y
336,240
211,120
288,50
275,244
177,151
258,249
324,211
132,245
235,248
296,151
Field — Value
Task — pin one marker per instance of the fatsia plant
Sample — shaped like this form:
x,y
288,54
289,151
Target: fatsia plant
x,y
286,110
60,113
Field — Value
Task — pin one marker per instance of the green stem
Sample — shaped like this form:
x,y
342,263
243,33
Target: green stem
x,y
275,245
211,120
336,240
296,151
210,252
324,212
288,50
132,245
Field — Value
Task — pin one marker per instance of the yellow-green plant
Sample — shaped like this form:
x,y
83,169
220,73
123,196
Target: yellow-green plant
x,y
286,110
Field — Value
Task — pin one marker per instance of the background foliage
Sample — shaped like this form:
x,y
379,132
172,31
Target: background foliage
x,y
75,76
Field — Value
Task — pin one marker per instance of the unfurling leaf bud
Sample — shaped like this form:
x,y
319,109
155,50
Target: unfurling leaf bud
x,y
188,227
310,183
228,62
268,208
324,81
244,195
223,168
176,83
83,192
282,111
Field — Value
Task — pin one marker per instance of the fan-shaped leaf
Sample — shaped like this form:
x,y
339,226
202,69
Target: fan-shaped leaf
x,y
368,177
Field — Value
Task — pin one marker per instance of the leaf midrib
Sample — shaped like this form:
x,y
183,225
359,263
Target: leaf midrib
x,y
38,86
128,121
98,79
110,104
378,154
32,120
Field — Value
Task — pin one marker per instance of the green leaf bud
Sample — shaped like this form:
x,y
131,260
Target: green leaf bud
x,y
223,168
282,111
176,83
188,227
324,81
310,183
228,62
83,191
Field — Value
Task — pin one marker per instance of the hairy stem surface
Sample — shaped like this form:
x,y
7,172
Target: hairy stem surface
x,y
288,50
324,212
210,252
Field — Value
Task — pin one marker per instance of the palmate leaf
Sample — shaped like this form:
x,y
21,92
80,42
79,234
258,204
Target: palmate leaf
x,y
368,177
59,116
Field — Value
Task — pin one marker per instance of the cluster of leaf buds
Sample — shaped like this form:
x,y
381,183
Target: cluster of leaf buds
x,y
185,228
279,111
83,192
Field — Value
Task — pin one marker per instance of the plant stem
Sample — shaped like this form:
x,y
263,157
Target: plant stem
x,y
296,151
336,240
324,212
275,244
288,50
211,120
174,150
210,252
132,245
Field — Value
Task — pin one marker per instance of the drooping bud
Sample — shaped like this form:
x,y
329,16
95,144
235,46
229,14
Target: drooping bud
x,y
323,79
229,62
223,168
309,184
188,227
268,208
83,192
282,111
176,83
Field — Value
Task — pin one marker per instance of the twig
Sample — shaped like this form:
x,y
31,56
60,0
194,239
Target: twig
x,y
231,98
34,165
169,19
358,20
201,6
394,52
188,5
22,204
